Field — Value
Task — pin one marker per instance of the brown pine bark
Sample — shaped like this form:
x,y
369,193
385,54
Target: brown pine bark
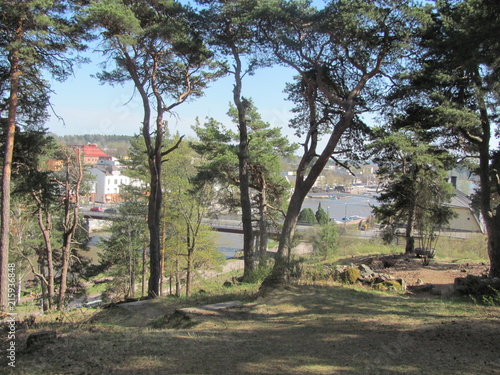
x,y
12,104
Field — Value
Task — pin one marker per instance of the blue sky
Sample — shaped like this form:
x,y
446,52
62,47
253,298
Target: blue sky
x,y
90,108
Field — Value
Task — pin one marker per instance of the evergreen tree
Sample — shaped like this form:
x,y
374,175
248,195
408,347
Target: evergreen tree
x,y
154,45
229,27
453,81
35,38
307,216
321,216
269,190
415,192
325,243
340,55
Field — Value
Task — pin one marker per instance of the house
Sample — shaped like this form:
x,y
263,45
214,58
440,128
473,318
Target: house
x,y
92,154
466,219
108,183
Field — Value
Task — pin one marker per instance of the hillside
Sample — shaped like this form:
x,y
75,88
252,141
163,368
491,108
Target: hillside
x,y
322,328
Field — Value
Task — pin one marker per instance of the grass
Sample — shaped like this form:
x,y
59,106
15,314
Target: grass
x,y
303,329
474,248
313,328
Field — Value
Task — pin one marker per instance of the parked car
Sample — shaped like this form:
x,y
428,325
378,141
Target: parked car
x,y
111,210
98,209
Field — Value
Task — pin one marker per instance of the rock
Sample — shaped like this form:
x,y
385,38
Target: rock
x,y
420,282
476,285
350,276
377,264
395,285
40,338
340,269
366,271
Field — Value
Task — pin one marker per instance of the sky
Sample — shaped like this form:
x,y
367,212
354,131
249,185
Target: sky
x,y
82,105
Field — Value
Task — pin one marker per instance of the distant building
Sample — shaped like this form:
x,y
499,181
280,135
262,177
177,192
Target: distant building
x,y
92,154
109,181
467,220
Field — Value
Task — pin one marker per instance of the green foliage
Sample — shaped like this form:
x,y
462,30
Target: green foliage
x,y
388,285
307,216
493,299
40,35
259,273
415,191
218,145
326,241
321,216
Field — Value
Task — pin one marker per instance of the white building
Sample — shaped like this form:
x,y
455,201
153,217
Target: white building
x,y
108,182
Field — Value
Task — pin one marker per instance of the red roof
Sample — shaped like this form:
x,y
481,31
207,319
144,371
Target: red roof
x,y
91,150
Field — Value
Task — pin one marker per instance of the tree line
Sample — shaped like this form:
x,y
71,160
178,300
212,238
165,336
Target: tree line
x,y
429,71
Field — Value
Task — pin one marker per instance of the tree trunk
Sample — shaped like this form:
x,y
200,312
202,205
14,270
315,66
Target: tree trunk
x,y
144,260
70,222
189,272
491,217
162,254
131,267
303,184
42,278
177,279
410,227
7,169
46,229
263,228
246,204
154,211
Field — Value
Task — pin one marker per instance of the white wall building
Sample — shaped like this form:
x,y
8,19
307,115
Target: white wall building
x,y
108,183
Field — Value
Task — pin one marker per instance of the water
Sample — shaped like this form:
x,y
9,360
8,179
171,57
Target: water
x,y
229,243
349,205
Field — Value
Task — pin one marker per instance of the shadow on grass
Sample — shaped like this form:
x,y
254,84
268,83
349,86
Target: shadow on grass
x,y
309,329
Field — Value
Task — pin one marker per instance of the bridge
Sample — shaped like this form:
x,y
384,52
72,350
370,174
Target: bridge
x,y
222,225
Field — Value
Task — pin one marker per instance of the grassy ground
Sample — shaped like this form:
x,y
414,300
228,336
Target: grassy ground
x,y
302,329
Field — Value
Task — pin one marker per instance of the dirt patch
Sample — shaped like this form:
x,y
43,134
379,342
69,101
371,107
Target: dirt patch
x,y
440,274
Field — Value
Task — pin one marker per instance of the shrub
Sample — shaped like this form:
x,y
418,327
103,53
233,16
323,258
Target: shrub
x,y
307,216
325,242
350,276
258,274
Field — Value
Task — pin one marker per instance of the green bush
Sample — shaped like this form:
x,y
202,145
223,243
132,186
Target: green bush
x,y
307,216
325,242
317,272
350,276
258,274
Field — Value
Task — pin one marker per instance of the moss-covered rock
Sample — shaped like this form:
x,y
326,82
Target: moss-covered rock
x,y
397,285
350,276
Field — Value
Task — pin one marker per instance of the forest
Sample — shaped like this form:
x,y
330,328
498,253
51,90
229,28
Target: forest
x,y
428,72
